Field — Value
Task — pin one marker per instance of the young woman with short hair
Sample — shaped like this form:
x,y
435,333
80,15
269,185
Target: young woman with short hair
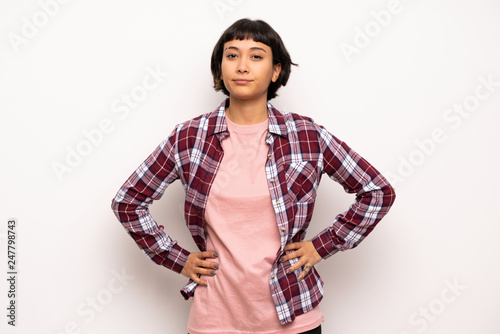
x,y
250,174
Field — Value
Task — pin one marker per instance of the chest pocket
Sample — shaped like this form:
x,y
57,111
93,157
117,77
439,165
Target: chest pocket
x,y
302,181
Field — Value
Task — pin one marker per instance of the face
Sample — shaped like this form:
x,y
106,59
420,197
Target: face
x,y
247,69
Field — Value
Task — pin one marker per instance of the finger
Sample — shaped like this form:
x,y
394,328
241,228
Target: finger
x,y
296,266
204,271
195,275
297,251
304,272
290,256
195,265
207,255
199,281
292,246
207,264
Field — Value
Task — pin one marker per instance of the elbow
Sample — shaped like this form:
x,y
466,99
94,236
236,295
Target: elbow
x,y
115,206
389,195
117,201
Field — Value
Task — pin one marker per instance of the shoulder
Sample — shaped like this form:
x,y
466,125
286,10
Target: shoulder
x,y
291,118
198,122
300,119
203,123
296,123
305,129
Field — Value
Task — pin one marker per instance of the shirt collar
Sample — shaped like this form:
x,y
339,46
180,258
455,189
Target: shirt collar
x,y
217,120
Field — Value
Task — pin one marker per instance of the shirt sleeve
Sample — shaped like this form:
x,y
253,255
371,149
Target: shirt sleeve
x,y
374,196
131,203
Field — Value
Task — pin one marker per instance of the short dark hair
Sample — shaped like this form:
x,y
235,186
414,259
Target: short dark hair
x,y
261,32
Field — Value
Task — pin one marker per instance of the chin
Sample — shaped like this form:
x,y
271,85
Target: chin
x,y
245,96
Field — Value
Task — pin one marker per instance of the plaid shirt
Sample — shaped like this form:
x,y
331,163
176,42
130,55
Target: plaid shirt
x,y
300,151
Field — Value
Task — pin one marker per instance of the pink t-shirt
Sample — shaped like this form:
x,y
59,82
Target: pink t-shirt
x,y
242,229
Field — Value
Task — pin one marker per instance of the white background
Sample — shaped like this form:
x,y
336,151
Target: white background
x,y
393,93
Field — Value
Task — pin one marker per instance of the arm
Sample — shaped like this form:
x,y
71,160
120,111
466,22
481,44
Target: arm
x,y
131,203
374,196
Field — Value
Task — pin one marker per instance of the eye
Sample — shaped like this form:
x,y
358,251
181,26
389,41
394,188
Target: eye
x,y
230,56
257,57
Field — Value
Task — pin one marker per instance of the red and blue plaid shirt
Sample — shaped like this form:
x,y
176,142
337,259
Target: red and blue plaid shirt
x,y
300,151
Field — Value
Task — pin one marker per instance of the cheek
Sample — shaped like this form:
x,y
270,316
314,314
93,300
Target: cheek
x,y
267,72
225,68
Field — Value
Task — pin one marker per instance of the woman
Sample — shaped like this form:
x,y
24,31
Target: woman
x,y
250,174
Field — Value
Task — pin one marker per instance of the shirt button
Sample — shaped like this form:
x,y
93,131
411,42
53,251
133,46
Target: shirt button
x,y
273,277
272,181
269,157
282,229
277,200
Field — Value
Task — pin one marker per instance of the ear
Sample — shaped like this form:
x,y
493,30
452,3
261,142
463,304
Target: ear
x,y
276,72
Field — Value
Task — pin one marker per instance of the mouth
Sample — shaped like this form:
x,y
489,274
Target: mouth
x,y
241,81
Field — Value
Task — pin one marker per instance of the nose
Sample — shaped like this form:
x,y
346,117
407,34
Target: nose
x,y
242,67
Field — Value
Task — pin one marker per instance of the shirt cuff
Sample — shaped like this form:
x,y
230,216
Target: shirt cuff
x,y
188,291
176,258
324,245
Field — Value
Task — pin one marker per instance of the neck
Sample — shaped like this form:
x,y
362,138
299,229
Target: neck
x,y
247,112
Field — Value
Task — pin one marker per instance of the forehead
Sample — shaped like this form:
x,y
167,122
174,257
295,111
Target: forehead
x,y
245,44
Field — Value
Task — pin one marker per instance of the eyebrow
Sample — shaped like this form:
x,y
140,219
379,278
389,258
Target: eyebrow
x,y
252,48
